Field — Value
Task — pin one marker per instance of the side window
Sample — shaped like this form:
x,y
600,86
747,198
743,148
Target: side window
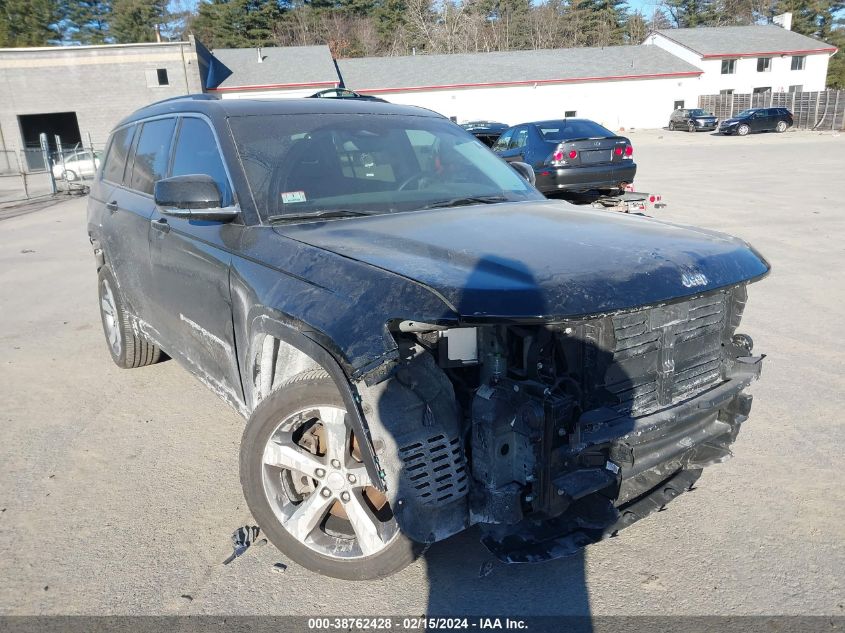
x,y
519,139
118,151
502,142
151,154
197,153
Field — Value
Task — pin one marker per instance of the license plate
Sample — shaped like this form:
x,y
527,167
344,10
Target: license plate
x,y
596,156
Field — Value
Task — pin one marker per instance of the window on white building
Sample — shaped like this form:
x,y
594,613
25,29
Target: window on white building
x,y
764,64
679,105
762,89
798,62
796,88
728,66
570,113
726,91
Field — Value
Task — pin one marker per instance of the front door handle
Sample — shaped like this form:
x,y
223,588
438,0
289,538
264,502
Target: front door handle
x,y
112,206
161,225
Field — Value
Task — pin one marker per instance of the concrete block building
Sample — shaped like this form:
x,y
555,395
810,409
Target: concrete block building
x,y
77,91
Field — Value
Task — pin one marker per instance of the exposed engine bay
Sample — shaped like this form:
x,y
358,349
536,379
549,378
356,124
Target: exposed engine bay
x,y
552,436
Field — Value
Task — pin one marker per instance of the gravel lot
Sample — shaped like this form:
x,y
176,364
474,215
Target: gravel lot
x,y
119,489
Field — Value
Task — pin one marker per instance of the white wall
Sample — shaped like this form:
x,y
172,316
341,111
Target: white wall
x,y
643,103
746,77
293,93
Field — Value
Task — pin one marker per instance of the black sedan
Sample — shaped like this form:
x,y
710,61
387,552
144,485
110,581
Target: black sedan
x,y
757,120
570,155
343,93
692,120
488,132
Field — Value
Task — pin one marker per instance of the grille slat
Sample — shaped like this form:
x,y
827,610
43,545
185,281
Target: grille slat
x,y
694,330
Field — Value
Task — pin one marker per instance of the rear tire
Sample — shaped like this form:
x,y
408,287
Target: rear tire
x,y
303,487
127,349
70,175
781,127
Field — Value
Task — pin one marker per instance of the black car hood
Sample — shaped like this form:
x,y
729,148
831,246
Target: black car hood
x,y
732,120
538,259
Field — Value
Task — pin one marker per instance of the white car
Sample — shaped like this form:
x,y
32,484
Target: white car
x,y
80,164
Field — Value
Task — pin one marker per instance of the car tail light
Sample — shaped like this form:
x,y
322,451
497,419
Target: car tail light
x,y
651,198
557,156
573,154
618,150
629,150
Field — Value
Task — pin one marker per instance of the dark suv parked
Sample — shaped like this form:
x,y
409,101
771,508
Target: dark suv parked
x,y
487,132
570,155
419,340
692,120
757,120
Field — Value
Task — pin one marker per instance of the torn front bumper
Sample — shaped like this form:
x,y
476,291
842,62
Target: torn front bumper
x,y
650,461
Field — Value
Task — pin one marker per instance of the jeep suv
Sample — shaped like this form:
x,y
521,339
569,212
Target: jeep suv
x,y
692,120
419,341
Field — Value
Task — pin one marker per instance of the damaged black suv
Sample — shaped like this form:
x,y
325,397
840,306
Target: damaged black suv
x,y
419,340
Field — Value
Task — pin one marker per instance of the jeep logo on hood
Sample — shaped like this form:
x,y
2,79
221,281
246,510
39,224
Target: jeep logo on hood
x,y
691,280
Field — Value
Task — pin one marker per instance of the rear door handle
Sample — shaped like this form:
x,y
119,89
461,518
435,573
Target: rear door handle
x,y
161,225
111,206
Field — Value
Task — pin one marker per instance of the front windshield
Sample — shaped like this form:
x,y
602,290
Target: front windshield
x,y
698,112
307,164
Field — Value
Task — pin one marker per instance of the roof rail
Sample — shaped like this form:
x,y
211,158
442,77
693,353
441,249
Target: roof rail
x,y
200,96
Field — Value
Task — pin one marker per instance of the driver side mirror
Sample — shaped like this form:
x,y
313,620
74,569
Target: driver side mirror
x,y
525,170
195,196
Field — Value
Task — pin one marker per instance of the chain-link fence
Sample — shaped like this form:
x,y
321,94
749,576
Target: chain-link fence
x,y
28,174
824,110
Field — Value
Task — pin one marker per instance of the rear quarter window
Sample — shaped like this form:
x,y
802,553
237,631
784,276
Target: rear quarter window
x,y
118,151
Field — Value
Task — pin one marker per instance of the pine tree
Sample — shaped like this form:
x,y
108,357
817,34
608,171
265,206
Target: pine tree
x,y
691,13
137,20
815,18
88,20
236,23
29,22
836,67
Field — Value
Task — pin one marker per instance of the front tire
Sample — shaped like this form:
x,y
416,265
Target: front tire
x,y
691,127
743,130
671,126
127,349
308,489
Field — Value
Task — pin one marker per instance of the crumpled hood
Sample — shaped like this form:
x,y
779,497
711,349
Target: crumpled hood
x,y
538,259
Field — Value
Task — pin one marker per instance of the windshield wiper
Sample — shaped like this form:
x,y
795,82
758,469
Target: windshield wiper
x,y
459,202
316,215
